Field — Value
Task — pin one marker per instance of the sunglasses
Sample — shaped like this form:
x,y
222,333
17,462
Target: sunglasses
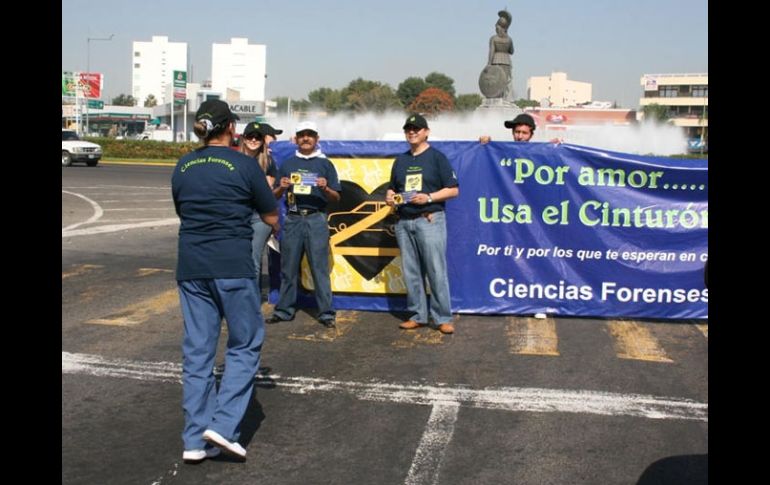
x,y
253,137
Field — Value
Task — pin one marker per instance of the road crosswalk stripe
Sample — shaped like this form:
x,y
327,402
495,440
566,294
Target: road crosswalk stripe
x,y
532,336
141,312
633,340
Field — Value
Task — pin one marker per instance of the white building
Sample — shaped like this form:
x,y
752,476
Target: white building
x,y
153,68
238,69
685,96
558,90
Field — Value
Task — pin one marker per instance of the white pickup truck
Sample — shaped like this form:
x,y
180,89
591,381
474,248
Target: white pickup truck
x,y
73,149
156,134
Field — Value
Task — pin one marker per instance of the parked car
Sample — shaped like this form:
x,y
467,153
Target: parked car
x,y
156,135
73,149
696,145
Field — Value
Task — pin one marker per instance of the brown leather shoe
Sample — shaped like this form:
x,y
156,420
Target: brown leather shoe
x,y
446,328
410,324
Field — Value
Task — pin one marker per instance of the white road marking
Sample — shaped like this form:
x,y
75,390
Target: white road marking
x,y
528,399
128,219
430,452
97,187
142,209
97,212
119,227
143,200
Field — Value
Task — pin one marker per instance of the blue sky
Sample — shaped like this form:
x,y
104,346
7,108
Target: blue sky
x,y
312,44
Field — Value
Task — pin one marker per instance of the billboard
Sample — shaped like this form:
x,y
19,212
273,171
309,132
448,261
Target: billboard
x,y
85,84
537,227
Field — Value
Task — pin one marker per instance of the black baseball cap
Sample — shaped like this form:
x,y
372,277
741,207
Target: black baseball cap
x,y
263,129
522,119
217,112
415,120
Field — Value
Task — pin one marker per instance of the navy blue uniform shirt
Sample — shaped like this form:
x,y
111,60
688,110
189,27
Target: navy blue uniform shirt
x,y
215,191
427,172
320,167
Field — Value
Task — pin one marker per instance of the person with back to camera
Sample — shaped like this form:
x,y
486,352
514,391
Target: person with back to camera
x,y
421,181
215,191
310,182
255,142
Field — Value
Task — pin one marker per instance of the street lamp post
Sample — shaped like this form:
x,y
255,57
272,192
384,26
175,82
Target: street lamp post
x,y
88,66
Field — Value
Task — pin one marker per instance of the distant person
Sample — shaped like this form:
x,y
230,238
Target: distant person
x,y
421,181
310,182
255,142
522,129
216,190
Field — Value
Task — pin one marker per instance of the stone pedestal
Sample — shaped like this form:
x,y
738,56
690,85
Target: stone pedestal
x,y
499,105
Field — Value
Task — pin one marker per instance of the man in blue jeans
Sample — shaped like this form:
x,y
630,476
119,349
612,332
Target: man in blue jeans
x,y
309,181
421,180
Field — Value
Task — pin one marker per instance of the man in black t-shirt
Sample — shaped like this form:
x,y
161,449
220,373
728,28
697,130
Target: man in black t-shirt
x,y
421,180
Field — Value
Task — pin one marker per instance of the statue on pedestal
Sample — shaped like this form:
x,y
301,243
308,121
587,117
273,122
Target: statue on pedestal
x,y
495,78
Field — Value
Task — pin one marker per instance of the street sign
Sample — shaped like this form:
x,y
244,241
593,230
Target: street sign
x,y
248,108
180,87
95,104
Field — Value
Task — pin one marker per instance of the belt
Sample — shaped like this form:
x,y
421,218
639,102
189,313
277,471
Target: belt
x,y
415,216
304,212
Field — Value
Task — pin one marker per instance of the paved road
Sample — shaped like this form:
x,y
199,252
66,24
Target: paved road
x,y
504,400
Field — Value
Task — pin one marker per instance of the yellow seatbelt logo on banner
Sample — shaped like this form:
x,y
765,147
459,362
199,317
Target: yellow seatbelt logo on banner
x,y
364,254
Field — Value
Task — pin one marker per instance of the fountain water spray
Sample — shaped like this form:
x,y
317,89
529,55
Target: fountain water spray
x,y
642,139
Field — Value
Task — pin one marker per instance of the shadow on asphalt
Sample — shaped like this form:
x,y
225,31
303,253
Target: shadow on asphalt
x,y
677,470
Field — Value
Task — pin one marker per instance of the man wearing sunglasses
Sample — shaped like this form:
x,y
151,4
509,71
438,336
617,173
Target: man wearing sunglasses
x,y
421,181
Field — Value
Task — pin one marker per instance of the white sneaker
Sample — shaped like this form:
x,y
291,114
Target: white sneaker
x,y
541,316
234,448
195,456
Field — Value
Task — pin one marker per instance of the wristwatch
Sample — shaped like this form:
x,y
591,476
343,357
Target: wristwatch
x,y
430,199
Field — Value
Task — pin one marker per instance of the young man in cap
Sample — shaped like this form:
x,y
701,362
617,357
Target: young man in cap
x,y
522,128
421,181
309,181
215,191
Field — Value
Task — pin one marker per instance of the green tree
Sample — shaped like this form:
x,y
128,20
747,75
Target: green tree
x,y
655,112
363,95
150,101
381,99
441,81
327,98
281,102
124,100
432,101
526,103
468,102
410,88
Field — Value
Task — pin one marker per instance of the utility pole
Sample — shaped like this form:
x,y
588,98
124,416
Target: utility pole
x,y
88,66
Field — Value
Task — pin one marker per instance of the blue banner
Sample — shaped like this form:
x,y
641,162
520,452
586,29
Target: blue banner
x,y
538,227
